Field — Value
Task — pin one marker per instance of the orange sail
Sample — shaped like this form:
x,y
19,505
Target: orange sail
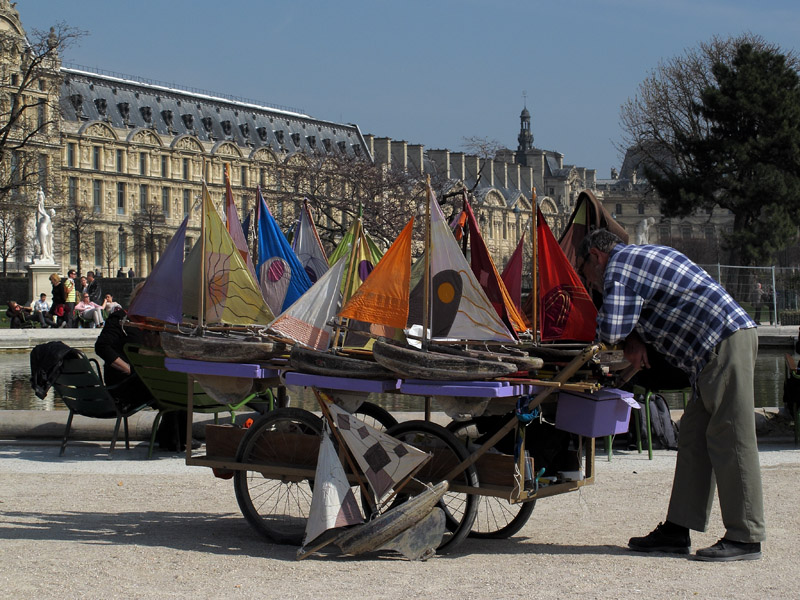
x,y
566,309
383,297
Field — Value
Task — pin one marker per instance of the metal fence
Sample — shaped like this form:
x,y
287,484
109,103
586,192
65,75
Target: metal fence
x,y
768,294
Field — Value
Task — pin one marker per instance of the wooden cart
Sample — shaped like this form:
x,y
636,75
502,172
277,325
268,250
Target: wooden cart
x,y
273,462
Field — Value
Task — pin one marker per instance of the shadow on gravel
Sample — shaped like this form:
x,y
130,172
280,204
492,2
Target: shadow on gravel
x,y
47,452
225,534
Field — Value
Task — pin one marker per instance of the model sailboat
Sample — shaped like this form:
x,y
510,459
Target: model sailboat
x,y
386,463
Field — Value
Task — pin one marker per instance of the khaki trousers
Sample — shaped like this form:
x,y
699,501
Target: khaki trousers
x,y
717,444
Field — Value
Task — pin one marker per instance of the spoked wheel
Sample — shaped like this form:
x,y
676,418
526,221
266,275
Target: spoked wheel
x,y
277,504
497,518
375,416
459,508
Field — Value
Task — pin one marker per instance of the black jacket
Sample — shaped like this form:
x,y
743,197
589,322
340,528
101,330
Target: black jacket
x,y
46,362
95,292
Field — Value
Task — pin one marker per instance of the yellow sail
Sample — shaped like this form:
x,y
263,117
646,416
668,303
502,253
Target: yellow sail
x,y
232,297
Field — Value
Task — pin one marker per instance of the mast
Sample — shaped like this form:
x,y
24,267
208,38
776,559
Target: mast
x,y
426,301
201,315
535,267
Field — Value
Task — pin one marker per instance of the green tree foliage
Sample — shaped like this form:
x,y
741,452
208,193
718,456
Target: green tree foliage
x,y
748,158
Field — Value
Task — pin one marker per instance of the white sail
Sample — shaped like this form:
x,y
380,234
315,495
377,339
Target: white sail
x,y
333,503
384,460
461,309
306,320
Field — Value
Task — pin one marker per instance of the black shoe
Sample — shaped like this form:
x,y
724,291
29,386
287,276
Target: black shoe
x,y
663,538
727,550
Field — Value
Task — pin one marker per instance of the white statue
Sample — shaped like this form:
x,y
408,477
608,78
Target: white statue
x,y
641,230
44,229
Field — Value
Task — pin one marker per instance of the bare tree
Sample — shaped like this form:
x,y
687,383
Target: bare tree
x,y
664,106
338,187
148,226
110,250
79,219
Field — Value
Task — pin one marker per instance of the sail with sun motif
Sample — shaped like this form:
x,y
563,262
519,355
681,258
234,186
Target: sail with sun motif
x,y
459,306
230,294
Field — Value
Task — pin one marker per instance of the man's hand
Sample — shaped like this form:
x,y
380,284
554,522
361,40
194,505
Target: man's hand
x,y
635,351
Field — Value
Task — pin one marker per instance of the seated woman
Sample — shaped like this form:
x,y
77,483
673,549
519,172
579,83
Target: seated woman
x,y
109,306
89,311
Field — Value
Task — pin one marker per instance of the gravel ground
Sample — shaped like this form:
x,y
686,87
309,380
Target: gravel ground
x,y
86,527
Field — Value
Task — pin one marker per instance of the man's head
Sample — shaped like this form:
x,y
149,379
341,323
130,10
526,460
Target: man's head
x,y
83,281
593,256
42,297
12,304
85,297
90,275
71,274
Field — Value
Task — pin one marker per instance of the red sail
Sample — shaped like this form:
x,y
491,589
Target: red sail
x,y
566,311
486,273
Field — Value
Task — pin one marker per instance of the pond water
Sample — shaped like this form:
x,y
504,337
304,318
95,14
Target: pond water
x,y
17,393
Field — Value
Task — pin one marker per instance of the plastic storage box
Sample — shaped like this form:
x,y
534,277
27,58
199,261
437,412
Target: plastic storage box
x,y
605,412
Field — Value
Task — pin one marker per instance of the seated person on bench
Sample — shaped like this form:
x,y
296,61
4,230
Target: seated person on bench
x,y
89,311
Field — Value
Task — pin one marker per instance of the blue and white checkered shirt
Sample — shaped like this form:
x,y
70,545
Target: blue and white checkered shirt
x,y
673,304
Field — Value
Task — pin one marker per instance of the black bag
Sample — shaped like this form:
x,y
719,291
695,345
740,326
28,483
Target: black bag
x,y
791,394
663,429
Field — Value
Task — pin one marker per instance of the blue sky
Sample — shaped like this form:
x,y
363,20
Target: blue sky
x,y
430,72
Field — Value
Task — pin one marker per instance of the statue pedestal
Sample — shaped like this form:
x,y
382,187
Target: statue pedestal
x,y
39,279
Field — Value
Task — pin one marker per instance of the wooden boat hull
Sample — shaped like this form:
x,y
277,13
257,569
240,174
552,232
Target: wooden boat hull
x,y
523,362
416,364
315,362
381,530
219,348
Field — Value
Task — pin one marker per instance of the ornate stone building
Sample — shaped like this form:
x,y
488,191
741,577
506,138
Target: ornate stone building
x,y
126,157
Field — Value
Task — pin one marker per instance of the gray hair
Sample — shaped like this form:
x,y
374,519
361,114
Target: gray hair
x,y
602,239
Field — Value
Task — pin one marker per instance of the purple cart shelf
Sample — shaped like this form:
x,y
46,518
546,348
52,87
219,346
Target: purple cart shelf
x,y
378,386
204,367
472,389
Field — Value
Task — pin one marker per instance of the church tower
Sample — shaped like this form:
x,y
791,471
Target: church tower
x,y
525,137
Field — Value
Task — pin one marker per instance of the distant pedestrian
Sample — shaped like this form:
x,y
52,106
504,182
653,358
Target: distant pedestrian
x,y
131,274
120,273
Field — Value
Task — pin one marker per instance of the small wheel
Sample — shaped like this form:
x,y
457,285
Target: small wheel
x,y
375,416
460,508
278,508
497,518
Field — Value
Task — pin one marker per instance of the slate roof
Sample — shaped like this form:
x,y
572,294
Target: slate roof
x,y
125,103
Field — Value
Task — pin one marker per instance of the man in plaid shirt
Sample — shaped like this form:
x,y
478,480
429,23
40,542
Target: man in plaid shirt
x,y
655,295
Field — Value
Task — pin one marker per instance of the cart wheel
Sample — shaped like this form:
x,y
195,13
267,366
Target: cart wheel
x,y
497,518
459,508
278,508
375,416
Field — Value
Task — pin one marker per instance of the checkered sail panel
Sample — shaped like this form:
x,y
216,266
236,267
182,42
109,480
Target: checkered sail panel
x,y
385,460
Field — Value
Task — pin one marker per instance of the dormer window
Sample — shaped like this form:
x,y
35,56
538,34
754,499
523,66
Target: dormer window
x,y
208,123
101,105
312,141
296,139
262,133
327,143
124,110
147,113
279,136
226,127
188,121
342,147
167,116
357,150
245,129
